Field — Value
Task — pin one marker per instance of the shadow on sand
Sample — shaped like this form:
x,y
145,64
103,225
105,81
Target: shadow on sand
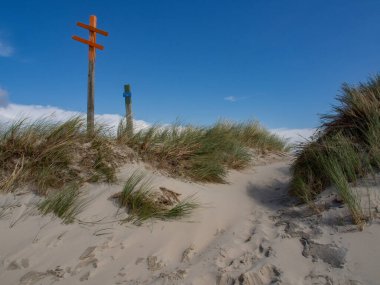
x,y
273,196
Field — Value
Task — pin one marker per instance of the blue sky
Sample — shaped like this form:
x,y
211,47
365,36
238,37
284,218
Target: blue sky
x,y
281,62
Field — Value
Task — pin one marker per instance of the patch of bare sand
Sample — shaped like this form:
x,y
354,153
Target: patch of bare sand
x,y
247,232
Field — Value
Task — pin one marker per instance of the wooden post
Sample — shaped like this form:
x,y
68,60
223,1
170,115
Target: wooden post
x,y
92,45
91,80
128,109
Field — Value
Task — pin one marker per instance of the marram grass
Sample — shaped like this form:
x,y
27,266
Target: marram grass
x,y
50,155
65,204
201,153
142,203
345,148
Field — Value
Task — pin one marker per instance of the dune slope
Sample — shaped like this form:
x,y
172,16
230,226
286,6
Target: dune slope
x,y
247,231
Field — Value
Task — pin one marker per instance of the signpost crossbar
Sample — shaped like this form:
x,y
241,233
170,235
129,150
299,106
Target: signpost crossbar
x,y
93,29
95,45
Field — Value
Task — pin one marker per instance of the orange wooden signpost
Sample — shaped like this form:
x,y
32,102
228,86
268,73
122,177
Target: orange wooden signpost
x,y
92,45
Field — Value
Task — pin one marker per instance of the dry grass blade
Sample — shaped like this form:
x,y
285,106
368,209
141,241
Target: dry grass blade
x,y
8,182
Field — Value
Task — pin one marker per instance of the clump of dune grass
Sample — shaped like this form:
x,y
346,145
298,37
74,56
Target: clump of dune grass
x,y
65,204
50,154
345,148
143,203
342,164
201,153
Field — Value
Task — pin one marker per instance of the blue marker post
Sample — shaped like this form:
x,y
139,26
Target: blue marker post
x,y
128,108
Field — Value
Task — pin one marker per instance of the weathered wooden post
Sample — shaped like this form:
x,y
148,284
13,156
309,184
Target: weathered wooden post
x,y
128,108
91,79
92,45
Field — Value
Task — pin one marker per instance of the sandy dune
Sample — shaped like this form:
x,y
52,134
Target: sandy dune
x,y
246,232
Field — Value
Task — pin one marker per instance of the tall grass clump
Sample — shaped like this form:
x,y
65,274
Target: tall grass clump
x,y
202,153
50,154
65,204
345,148
142,202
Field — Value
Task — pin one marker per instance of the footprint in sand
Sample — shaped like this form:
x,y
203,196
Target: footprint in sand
x,y
188,254
94,256
14,265
120,277
265,275
87,258
154,264
32,277
89,252
173,277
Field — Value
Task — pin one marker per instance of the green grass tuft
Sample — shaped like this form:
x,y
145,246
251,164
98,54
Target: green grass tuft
x,y
142,203
65,204
345,149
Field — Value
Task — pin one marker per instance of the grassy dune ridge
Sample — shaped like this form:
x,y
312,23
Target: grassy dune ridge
x,y
50,155
345,148
202,153
56,158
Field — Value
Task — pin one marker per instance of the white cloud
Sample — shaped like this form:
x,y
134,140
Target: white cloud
x,y
235,99
3,98
294,136
6,50
14,112
230,98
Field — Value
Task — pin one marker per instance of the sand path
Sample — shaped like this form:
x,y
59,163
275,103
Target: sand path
x,y
243,234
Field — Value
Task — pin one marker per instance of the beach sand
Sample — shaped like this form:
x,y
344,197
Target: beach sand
x,y
247,231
